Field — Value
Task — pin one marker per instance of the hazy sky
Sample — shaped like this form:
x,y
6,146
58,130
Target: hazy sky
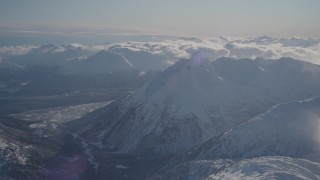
x,y
279,18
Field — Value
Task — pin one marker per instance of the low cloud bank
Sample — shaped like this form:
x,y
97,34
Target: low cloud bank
x,y
213,48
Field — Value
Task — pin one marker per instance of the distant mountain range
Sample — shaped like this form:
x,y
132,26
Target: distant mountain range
x,y
54,69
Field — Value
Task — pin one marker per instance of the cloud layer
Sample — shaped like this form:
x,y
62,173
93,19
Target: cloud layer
x,y
213,48
10,51
266,47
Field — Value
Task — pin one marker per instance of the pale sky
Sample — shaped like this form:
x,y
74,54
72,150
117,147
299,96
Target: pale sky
x,y
277,18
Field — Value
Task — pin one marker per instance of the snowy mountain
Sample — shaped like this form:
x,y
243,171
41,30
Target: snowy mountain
x,y
196,100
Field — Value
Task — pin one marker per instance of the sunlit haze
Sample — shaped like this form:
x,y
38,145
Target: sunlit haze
x,y
93,20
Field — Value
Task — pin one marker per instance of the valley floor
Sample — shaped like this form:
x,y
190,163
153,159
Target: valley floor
x,y
35,144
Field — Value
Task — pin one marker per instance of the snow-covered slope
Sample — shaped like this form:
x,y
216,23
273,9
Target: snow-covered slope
x,y
289,129
271,167
283,143
196,100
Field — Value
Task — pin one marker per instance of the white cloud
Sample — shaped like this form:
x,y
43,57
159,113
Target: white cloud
x,y
266,47
177,49
302,49
174,49
9,51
